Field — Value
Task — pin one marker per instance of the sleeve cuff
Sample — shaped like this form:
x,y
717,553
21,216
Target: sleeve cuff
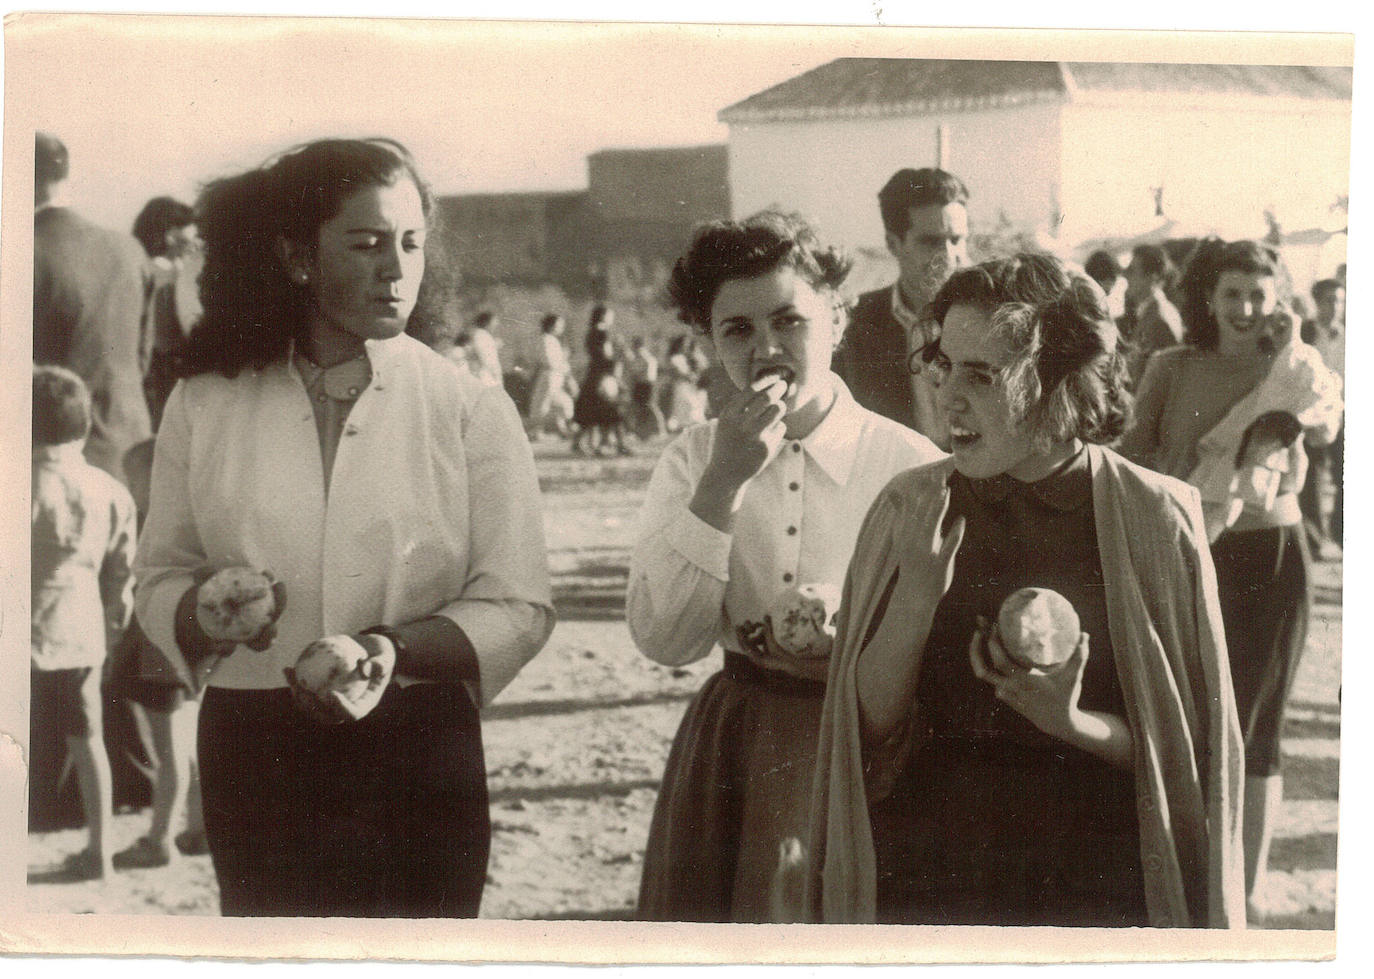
x,y
701,544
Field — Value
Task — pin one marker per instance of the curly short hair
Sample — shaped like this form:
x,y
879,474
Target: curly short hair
x,y
1067,378
61,406
725,250
159,216
1209,258
50,161
1326,287
252,308
1103,268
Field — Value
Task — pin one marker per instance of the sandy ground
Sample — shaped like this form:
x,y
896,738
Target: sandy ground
x,y
576,745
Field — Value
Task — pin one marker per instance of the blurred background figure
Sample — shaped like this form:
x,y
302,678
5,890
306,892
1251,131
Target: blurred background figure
x,y
166,228
1150,322
599,410
683,400
88,303
551,401
646,419
1103,268
87,309
1326,332
141,674
83,531
1194,403
925,224
484,350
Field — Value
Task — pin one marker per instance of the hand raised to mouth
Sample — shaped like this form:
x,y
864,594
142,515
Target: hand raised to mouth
x,y
768,376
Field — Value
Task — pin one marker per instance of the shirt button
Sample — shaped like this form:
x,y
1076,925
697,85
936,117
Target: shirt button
x,y
794,486
320,397
352,392
1153,862
791,531
787,577
796,446
350,430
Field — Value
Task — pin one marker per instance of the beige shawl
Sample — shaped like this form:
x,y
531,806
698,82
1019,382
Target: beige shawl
x,y
1170,652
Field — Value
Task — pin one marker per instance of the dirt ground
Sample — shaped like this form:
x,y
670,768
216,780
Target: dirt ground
x,y
576,746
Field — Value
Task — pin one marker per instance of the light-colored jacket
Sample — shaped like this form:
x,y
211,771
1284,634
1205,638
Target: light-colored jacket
x,y
1170,652
83,548
433,508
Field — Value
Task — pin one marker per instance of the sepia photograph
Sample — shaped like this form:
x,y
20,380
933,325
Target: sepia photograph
x,y
564,491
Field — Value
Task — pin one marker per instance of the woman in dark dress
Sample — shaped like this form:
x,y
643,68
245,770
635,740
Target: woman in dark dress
x,y
600,401
956,787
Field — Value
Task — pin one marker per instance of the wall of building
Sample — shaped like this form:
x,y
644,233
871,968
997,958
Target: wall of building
x,y
506,237
669,185
832,169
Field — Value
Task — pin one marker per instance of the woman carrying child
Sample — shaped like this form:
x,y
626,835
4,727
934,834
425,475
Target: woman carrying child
x,y
743,511
1240,359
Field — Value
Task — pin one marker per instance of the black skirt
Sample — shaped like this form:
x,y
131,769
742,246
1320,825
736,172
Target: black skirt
x,y
386,817
1264,588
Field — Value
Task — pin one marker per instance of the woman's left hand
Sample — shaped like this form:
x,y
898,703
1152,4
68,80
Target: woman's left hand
x,y
333,707
379,667
1048,699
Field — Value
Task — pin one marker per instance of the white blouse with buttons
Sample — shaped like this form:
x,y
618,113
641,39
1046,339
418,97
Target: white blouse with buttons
x,y
691,585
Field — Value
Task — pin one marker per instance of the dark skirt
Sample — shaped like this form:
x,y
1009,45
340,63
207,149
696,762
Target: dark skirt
x,y
988,831
1264,585
737,785
386,817
598,400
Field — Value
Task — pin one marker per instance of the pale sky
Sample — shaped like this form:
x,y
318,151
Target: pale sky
x,y
158,105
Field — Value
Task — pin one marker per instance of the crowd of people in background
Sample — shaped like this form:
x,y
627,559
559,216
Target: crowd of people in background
x,y
847,501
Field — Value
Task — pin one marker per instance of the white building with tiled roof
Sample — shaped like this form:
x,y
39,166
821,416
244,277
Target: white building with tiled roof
x,y
1071,150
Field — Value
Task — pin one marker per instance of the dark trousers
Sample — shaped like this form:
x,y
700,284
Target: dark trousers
x,y
1331,460
1263,582
386,817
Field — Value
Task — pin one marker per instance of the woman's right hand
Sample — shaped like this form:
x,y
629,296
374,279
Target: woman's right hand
x,y
226,613
925,556
748,430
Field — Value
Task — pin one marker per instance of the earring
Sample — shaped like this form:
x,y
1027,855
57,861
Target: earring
x,y
302,277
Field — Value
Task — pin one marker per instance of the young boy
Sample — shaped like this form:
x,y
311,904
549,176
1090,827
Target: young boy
x,y
83,534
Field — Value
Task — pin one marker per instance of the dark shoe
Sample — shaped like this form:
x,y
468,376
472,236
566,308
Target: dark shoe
x,y
192,844
83,865
143,853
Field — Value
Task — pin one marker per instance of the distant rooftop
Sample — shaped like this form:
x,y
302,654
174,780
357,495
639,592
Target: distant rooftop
x,y
659,153
860,87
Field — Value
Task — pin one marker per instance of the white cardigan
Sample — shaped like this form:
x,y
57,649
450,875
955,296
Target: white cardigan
x,y
433,508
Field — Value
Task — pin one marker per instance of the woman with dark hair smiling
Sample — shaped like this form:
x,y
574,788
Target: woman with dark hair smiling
x,y
954,783
394,504
745,532
1240,358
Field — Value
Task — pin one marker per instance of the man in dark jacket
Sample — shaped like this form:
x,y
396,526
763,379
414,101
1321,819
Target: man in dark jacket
x,y
88,310
925,220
